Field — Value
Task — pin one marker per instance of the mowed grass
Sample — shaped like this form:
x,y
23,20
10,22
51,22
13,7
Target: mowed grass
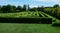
x,y
28,28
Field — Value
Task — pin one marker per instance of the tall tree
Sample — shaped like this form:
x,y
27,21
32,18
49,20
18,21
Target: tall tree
x,y
9,8
19,8
55,6
56,9
24,7
4,9
14,8
28,7
0,8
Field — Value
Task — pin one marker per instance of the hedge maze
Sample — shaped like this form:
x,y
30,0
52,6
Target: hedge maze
x,y
26,17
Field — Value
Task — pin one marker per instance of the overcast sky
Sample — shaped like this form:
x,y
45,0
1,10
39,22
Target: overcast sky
x,y
32,3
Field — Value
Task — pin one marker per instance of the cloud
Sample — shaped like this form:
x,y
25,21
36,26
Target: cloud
x,y
48,0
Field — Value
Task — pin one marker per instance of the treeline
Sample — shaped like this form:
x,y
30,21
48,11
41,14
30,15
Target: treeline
x,y
53,11
12,8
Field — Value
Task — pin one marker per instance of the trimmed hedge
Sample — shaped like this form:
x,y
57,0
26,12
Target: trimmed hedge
x,y
56,25
26,20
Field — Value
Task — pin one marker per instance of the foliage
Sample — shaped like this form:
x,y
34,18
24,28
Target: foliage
x,y
54,11
56,5
19,8
56,25
24,7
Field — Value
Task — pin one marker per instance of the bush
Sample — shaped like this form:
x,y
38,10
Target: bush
x,y
56,25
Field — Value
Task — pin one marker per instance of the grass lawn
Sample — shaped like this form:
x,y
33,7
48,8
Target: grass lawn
x,y
28,28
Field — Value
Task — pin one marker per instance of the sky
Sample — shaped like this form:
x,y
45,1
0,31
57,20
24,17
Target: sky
x,y
32,3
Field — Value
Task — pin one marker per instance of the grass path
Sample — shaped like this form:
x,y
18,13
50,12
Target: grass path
x,y
28,28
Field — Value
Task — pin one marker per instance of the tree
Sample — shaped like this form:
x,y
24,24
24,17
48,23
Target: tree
x,y
9,8
24,7
33,9
40,8
0,8
19,8
55,6
14,8
56,9
4,9
28,8
58,13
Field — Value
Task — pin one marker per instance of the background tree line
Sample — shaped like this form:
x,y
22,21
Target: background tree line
x,y
53,11
12,8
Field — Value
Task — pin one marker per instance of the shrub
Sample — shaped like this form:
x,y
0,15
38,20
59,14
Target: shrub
x,y
56,25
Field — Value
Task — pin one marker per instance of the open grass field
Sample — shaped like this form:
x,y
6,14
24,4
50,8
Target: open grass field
x,y
28,28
